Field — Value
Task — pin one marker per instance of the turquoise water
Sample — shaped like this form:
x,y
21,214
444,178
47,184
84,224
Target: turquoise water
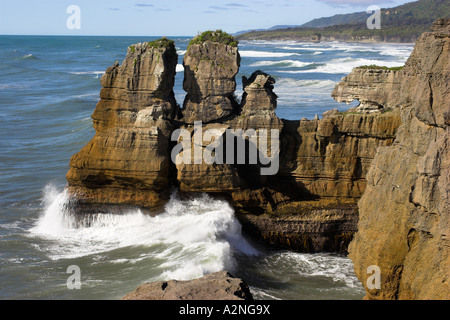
x,y
49,87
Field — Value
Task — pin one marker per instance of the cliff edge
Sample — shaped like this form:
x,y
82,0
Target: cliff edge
x,y
404,218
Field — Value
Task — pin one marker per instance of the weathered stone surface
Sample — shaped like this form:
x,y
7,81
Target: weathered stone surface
x,y
128,160
257,112
209,80
373,88
305,226
404,221
214,286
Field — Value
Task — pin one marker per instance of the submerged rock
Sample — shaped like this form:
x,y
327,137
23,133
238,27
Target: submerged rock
x,y
214,286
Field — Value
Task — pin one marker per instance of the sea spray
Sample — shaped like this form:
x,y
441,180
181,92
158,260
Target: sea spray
x,y
192,237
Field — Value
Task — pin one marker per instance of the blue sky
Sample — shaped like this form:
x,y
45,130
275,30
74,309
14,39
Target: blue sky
x,y
167,17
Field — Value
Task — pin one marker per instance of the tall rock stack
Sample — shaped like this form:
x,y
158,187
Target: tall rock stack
x,y
404,226
128,159
259,102
256,112
210,66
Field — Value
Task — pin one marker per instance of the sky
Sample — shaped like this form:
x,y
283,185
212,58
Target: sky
x,y
165,17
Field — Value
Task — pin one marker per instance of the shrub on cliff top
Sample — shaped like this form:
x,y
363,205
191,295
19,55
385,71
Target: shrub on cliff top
x,y
215,36
161,43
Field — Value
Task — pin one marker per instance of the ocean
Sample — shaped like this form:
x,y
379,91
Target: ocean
x,y
49,86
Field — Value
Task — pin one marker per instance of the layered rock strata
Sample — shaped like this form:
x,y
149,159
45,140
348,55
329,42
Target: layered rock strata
x,y
404,226
128,159
214,286
209,80
374,88
144,146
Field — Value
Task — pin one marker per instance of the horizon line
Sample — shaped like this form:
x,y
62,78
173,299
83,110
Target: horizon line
x,y
85,35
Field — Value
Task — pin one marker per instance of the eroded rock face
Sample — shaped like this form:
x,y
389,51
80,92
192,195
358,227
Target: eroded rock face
x,y
330,157
224,175
128,160
404,216
209,80
374,88
214,286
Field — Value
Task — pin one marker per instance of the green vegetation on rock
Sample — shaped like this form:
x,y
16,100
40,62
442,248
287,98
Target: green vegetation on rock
x,y
161,43
373,66
215,36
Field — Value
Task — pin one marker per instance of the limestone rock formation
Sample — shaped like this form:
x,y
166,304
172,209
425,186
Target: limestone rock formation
x,y
214,286
374,88
330,157
259,102
228,175
128,160
310,204
209,80
393,150
404,226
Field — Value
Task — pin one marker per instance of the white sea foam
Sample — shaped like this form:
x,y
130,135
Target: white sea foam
x,y
179,68
337,268
345,65
91,96
193,237
290,83
281,63
4,86
265,54
28,56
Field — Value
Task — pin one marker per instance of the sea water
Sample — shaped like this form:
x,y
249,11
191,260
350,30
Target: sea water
x,y
49,87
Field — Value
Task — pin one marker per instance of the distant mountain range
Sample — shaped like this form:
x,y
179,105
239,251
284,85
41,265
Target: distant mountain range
x,y
403,23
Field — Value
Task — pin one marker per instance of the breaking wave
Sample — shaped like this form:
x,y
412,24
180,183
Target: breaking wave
x,y
345,65
192,237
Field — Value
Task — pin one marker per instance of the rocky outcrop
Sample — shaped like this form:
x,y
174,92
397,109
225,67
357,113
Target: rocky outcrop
x,y
404,215
305,226
128,160
214,286
209,80
310,204
228,173
267,167
374,88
